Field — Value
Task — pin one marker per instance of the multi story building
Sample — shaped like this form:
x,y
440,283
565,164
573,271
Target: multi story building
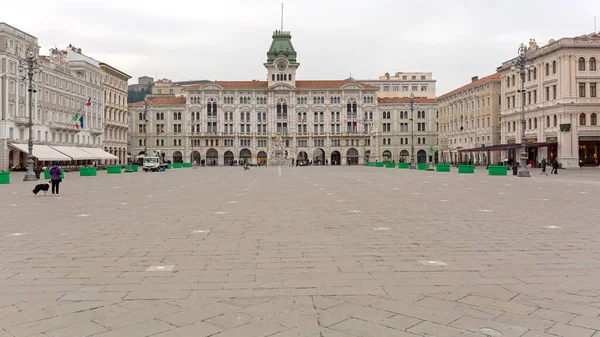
x,y
116,114
167,87
65,128
404,84
470,119
394,136
561,102
227,121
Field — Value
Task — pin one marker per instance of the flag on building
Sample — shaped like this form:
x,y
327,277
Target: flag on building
x,y
76,120
89,102
81,121
353,125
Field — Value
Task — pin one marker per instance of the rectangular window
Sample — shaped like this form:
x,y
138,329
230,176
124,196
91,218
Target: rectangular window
x,y
395,88
554,92
547,93
592,89
581,89
386,88
423,88
405,88
414,88
534,96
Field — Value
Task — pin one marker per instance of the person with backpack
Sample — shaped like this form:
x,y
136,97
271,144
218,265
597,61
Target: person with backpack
x,y
55,179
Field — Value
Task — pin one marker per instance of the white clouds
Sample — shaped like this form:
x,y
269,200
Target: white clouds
x,y
228,39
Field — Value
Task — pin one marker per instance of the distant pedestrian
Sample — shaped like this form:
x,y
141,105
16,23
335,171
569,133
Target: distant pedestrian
x,y
544,163
554,167
55,179
195,165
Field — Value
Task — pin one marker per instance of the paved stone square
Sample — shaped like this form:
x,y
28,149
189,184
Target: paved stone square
x,y
313,251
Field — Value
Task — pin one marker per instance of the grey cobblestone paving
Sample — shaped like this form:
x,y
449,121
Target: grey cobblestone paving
x,y
317,251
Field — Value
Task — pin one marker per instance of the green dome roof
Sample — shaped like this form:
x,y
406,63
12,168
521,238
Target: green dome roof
x,y
281,46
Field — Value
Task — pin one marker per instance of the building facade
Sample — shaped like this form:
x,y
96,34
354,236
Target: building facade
x,y
394,136
144,82
221,122
116,115
167,87
469,118
67,105
403,84
561,102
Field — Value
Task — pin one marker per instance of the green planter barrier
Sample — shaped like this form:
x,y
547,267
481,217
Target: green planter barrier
x,y
403,165
178,165
131,168
497,170
372,164
379,164
422,167
169,166
368,163
4,178
47,174
113,169
466,169
87,172
187,165
442,167
390,165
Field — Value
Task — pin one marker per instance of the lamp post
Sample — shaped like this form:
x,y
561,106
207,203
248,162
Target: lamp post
x,y
412,132
29,67
521,66
145,127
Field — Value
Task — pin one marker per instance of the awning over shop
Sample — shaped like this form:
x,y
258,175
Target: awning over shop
x,y
504,147
74,152
42,152
97,153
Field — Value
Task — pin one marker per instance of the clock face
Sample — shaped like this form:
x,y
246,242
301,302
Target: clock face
x,y
281,65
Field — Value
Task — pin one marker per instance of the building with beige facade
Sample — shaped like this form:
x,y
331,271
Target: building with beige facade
x,y
116,115
69,79
561,102
403,84
168,87
222,122
394,131
469,118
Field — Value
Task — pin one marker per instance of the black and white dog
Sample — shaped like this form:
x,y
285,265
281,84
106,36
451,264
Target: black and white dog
x,y
41,187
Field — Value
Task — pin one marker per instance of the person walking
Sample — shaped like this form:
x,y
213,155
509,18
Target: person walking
x,y
55,179
195,164
554,167
544,163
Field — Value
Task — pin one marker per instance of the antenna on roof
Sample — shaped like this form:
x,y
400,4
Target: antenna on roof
x,y
595,31
282,16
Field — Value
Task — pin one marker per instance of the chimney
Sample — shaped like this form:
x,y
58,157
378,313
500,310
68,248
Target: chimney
x,y
474,79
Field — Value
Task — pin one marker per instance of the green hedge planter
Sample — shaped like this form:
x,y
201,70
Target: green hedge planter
x,y
169,166
178,165
187,165
403,165
47,174
368,163
4,178
113,169
87,172
390,165
422,167
466,169
379,164
131,168
442,167
497,170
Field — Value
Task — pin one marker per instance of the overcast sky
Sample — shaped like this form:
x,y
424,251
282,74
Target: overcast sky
x,y
228,39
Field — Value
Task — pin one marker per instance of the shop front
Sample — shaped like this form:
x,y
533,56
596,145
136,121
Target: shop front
x,y
589,147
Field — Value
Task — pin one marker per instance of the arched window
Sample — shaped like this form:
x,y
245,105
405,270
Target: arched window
x,y
140,116
547,69
337,115
281,109
535,123
179,115
529,120
508,126
593,119
290,77
513,81
241,100
264,116
316,116
371,115
285,77
514,126
321,116
547,121
419,140
581,63
555,120
158,116
582,119
554,67
592,63
197,115
383,112
247,116
507,81
351,106
241,116
535,73
162,116
273,77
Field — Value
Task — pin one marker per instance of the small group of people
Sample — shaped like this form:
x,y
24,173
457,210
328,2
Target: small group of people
x,y
554,167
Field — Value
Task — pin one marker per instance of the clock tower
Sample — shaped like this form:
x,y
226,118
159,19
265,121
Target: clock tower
x,y
281,60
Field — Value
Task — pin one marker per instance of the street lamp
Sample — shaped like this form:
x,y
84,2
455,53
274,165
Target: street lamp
x,y
29,67
412,132
522,65
145,127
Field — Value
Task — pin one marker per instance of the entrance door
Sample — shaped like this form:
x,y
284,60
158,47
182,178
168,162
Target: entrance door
x,y
335,158
228,158
352,156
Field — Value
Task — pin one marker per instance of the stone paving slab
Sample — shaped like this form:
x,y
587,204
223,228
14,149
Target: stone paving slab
x,y
315,251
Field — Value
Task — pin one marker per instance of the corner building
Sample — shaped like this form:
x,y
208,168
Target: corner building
x,y
561,102
326,122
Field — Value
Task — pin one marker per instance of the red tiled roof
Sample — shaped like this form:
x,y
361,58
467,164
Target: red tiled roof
x,y
384,100
472,84
325,84
162,101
